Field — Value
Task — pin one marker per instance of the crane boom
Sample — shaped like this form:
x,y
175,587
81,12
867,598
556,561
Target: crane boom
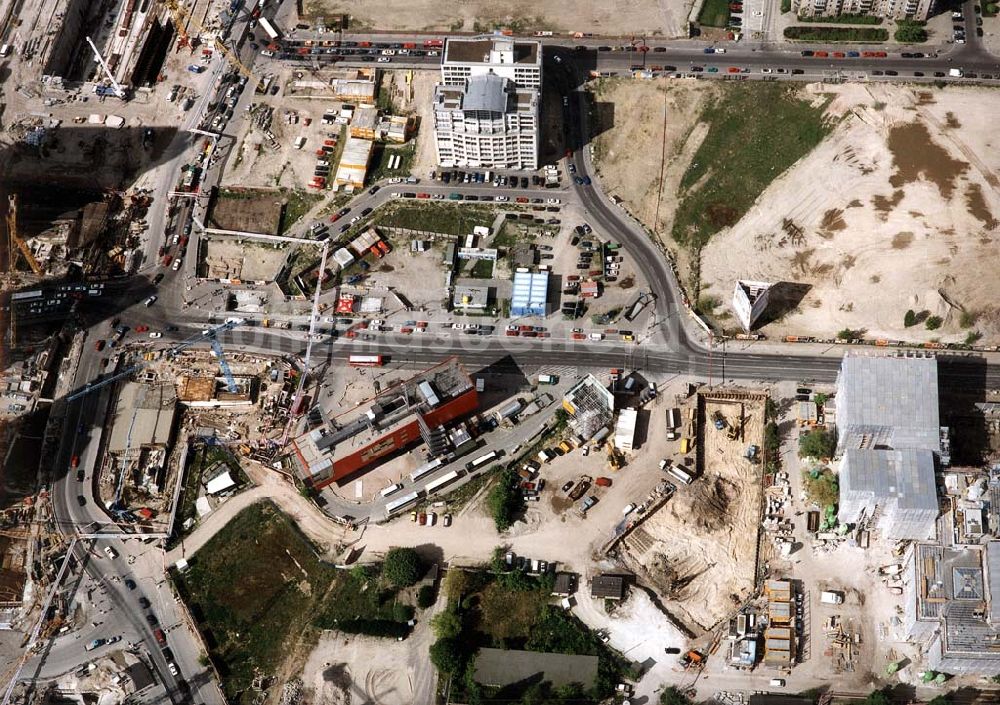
x,y
194,340
230,380
17,239
119,88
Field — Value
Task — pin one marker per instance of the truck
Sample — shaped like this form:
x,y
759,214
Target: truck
x,y
90,646
956,73
300,142
548,379
828,597
588,503
673,424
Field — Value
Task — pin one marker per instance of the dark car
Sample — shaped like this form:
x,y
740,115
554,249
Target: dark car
x,y
144,603
129,583
152,620
374,189
567,486
366,211
81,500
80,475
158,278
171,329
168,654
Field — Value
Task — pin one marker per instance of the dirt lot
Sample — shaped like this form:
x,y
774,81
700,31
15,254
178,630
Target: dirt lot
x,y
227,259
253,211
907,225
668,19
698,550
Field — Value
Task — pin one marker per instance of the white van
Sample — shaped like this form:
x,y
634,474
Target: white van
x,y
777,683
390,489
111,553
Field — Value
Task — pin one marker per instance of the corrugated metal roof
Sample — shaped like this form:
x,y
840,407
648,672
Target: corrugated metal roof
x,y
993,579
530,293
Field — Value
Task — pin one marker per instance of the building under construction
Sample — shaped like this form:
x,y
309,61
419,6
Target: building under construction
x,y
413,411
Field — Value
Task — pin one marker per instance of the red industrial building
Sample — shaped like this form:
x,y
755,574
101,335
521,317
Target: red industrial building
x,y
411,412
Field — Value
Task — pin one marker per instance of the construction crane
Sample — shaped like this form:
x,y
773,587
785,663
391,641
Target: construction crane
x,y
226,371
16,239
208,334
119,91
180,14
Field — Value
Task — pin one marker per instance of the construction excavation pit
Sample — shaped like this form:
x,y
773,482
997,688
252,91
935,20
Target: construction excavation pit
x,y
699,550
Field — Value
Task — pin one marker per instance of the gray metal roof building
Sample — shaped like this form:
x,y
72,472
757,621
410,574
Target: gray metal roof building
x,y
530,294
900,482
889,439
888,402
500,667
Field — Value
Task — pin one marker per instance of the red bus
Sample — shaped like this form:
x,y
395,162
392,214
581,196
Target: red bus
x,y
365,361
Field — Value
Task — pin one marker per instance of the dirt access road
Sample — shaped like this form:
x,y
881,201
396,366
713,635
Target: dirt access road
x,y
664,18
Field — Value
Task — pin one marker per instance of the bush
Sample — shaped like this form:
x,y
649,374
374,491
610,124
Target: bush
x,y
373,627
837,34
772,438
401,567
842,19
425,597
968,319
402,612
447,655
910,319
816,444
822,487
973,337
877,697
504,500
934,322
672,696
786,6
910,32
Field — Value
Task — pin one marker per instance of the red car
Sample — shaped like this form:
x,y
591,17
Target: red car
x,y
335,217
141,329
161,638
821,55
423,195
733,69
579,336
74,462
166,260
99,345
838,55
512,333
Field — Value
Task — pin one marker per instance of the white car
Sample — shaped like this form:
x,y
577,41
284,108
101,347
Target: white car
x,y
172,667
500,199
553,201
177,264
155,335
431,518
177,238
388,52
150,301
384,59
629,508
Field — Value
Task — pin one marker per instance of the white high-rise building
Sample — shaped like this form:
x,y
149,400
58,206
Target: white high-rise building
x,y
894,9
487,105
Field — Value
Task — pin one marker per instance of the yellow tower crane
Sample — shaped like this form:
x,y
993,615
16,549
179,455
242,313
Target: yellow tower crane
x,y
17,241
180,14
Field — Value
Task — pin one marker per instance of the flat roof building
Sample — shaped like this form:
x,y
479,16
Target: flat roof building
x,y
517,60
398,417
353,166
530,294
502,667
474,298
889,439
607,587
364,122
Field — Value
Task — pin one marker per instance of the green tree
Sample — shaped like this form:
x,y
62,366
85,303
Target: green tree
x,y
967,319
448,655
820,398
816,444
910,32
847,334
942,699
425,597
505,500
770,409
402,612
446,625
933,323
672,696
772,438
401,567
877,697
910,319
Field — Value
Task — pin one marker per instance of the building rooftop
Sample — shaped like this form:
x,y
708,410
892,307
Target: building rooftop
x,y
471,296
889,402
486,50
530,294
144,415
487,93
611,587
500,667
904,478
391,408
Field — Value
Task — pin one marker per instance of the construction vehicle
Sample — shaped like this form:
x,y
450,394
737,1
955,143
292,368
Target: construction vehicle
x,y
614,457
17,241
692,659
751,453
582,485
718,419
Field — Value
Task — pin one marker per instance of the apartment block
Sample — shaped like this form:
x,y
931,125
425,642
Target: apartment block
x,y
486,108
894,9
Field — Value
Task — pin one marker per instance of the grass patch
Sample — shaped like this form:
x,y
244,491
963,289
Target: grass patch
x,y
837,34
910,32
384,153
739,157
436,217
482,269
841,19
299,202
258,591
714,13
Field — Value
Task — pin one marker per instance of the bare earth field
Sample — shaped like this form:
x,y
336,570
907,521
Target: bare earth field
x,y
667,18
698,550
895,210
